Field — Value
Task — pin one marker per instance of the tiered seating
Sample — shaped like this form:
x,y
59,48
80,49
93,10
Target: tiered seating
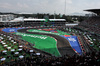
x,y
92,24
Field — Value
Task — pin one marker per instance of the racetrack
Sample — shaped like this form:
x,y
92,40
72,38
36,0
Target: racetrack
x,y
62,44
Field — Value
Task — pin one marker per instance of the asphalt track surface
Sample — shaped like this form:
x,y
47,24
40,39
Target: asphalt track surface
x,y
62,44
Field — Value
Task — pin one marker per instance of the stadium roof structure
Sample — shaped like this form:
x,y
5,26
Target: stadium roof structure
x,y
44,19
97,11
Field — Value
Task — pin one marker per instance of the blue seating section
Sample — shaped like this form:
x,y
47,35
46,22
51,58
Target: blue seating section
x,y
8,30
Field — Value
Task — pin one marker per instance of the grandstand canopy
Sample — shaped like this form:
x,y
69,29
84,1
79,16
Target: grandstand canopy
x,y
44,19
97,11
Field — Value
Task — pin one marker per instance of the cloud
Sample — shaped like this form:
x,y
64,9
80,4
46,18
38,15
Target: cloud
x,y
48,6
12,7
20,5
69,1
5,5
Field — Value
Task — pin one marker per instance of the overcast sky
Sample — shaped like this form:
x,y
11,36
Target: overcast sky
x,y
48,6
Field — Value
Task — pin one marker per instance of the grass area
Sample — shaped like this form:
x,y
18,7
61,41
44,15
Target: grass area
x,y
8,53
41,42
9,44
41,31
48,45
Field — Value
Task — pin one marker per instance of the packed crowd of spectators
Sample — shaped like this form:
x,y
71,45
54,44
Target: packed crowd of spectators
x,y
44,60
91,24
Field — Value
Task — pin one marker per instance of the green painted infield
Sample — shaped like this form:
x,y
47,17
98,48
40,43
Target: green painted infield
x,y
41,31
42,42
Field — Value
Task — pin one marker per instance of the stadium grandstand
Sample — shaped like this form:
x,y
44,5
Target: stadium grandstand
x,y
5,21
49,42
9,20
44,22
92,24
